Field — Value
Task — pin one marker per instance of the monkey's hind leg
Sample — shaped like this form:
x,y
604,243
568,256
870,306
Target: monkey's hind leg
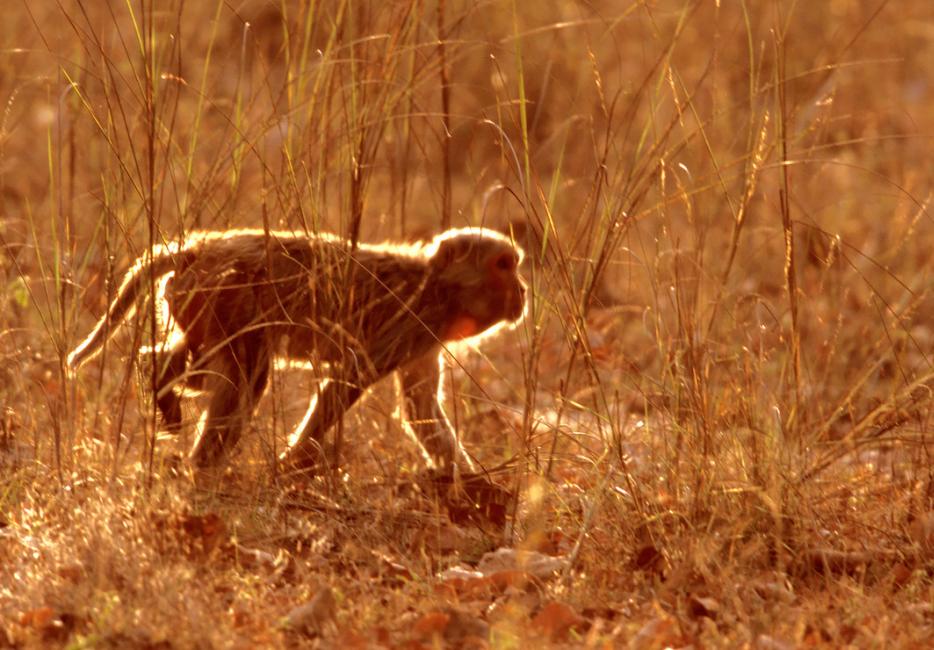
x,y
235,377
305,448
171,365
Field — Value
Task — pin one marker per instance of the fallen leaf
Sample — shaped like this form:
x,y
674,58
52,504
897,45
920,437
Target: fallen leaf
x,y
37,618
766,642
513,579
239,614
485,587
50,625
507,559
430,625
311,617
72,572
660,632
465,630
349,639
699,606
556,620
825,560
254,557
514,608
650,559
390,570
901,574
549,542
773,590
208,527
459,572
382,636
466,588
195,535
448,538
921,531
457,628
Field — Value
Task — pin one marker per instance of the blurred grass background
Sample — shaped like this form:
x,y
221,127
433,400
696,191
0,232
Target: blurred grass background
x,y
726,209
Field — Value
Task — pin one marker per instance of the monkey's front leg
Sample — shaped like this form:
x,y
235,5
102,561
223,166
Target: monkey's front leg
x,y
422,392
305,448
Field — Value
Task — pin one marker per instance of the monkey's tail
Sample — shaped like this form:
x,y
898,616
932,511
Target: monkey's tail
x,y
134,285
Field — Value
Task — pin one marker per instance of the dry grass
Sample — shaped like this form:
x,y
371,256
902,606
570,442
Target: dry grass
x,y
717,415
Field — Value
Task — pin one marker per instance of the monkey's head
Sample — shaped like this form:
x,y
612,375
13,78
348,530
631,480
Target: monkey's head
x,y
475,273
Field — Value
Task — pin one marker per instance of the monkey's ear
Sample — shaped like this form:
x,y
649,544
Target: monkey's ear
x,y
448,251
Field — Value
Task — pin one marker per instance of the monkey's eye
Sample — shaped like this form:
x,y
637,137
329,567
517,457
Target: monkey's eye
x,y
505,262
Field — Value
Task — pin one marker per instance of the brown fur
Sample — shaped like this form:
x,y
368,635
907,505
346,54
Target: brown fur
x,y
243,298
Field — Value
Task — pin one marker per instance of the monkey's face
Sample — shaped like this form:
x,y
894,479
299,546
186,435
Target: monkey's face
x,y
506,297
478,278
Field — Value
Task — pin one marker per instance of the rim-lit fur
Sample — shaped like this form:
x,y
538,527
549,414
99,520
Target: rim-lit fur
x,y
241,299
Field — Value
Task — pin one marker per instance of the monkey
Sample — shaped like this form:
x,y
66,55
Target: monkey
x,y
238,300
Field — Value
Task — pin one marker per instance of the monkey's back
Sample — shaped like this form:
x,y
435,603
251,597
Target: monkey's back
x,y
313,295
